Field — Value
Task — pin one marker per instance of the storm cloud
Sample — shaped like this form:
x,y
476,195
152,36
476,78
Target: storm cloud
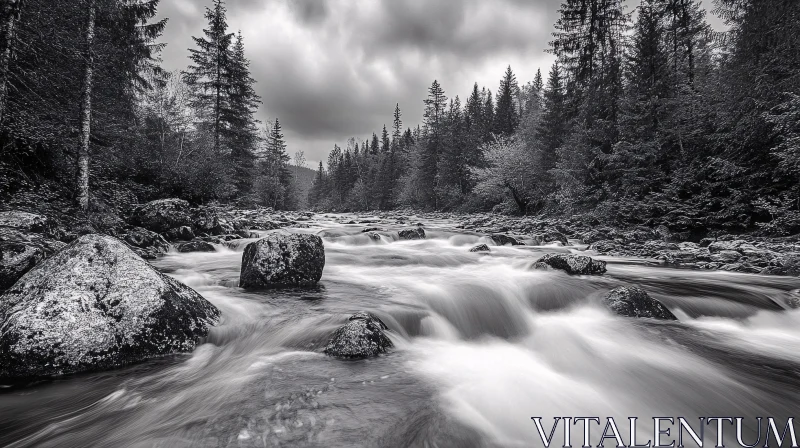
x,y
334,69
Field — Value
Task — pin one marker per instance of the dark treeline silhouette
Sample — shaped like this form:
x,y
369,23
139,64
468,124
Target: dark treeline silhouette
x,y
85,106
647,116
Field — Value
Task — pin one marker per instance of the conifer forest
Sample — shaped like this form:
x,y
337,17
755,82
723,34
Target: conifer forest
x,y
399,223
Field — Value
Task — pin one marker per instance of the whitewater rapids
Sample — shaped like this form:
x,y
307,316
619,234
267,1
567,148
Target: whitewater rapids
x,y
482,344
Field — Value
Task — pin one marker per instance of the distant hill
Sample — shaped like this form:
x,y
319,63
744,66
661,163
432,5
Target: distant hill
x,y
304,178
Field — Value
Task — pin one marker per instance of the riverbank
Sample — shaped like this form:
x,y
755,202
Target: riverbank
x,y
31,231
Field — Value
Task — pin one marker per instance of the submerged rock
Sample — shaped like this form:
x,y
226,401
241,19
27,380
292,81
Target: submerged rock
x,y
95,305
571,264
363,336
162,215
283,260
633,301
502,240
416,233
480,248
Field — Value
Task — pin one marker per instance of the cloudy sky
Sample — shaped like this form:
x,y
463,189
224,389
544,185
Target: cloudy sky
x,y
334,69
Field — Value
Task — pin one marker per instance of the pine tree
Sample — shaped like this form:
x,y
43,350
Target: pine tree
x,y
276,182
433,121
397,128
385,142
506,117
488,115
374,147
638,164
209,74
474,127
552,127
242,133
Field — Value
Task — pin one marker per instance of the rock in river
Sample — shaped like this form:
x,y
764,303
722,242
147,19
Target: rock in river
x,y
633,301
95,305
363,336
571,264
415,233
283,260
195,246
502,240
480,248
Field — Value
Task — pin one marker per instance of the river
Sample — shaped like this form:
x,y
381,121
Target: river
x,y
482,344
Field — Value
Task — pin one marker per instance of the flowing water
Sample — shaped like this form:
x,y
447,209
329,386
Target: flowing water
x,y
482,344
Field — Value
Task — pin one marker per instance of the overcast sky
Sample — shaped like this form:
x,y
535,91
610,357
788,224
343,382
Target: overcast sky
x,y
334,69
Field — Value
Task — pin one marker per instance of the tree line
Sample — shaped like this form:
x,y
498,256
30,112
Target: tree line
x,y
84,102
647,116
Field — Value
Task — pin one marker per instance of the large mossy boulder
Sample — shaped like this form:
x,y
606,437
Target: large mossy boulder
x,y
362,337
283,260
162,215
571,264
633,301
94,305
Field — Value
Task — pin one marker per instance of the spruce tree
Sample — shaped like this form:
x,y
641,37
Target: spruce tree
x,y
488,116
433,121
397,128
242,133
209,74
506,117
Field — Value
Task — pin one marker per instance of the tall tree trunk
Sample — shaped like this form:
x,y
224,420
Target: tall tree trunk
x,y
10,14
82,172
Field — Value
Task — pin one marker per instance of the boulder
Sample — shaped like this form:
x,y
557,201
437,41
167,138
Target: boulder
x,y
195,246
95,305
283,260
633,301
162,215
374,236
480,248
20,252
571,264
362,337
211,221
28,222
414,233
552,236
148,245
502,240
182,233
